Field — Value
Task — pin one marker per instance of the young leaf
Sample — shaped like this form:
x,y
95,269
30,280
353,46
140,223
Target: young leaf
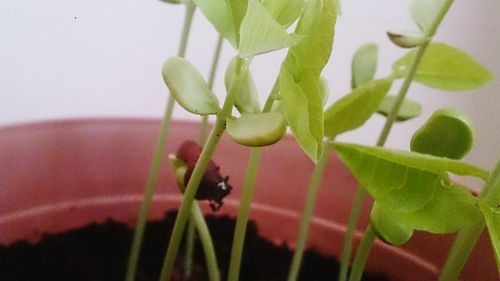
x,y
451,209
424,162
285,11
407,39
317,26
447,133
299,75
387,228
225,15
364,64
355,108
492,217
247,99
324,91
257,129
424,12
303,110
188,87
447,68
409,109
416,189
260,33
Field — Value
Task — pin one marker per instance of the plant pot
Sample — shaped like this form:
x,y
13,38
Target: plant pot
x,y
60,175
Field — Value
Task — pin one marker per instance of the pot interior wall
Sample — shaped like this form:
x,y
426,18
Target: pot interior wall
x,y
59,175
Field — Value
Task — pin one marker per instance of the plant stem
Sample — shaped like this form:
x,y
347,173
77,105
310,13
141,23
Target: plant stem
x,y
211,79
148,193
206,242
243,214
349,234
307,214
199,170
189,247
466,240
191,235
391,118
186,28
362,254
157,160
188,198
491,191
215,61
461,249
245,202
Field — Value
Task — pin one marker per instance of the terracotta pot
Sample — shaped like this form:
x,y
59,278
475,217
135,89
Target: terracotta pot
x,y
59,175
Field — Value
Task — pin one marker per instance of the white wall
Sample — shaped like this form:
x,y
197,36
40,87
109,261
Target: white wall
x,y
68,58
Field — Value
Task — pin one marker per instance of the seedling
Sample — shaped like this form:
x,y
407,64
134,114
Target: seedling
x,y
412,190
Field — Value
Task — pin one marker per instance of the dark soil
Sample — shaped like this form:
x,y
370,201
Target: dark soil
x,y
99,252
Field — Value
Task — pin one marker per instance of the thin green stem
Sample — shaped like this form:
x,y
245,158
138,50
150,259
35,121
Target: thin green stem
x,y
199,170
349,234
215,61
186,28
491,191
392,116
189,252
149,192
461,249
189,248
307,214
206,242
203,130
243,214
244,211
188,198
362,254
157,160
211,79
466,240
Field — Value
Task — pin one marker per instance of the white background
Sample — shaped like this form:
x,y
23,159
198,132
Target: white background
x,y
95,58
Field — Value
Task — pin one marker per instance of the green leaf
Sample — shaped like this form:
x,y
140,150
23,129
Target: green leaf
x,y
355,108
285,11
364,64
257,129
238,12
451,209
260,33
447,133
303,110
247,99
414,188
324,91
425,12
299,78
424,162
492,217
317,26
225,15
445,67
409,109
188,87
387,228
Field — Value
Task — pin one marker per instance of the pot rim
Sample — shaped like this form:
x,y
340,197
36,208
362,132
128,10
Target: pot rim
x,y
232,203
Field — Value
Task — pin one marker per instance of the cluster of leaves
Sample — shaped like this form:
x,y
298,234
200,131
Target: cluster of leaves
x,y
412,190
254,27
